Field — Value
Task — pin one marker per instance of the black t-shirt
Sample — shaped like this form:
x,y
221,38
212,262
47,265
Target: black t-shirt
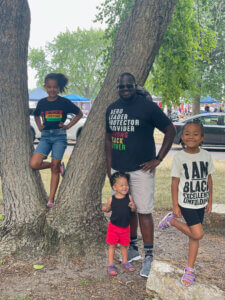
x,y
132,124
121,212
54,112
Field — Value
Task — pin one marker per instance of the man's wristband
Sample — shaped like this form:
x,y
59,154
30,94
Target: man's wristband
x,y
158,158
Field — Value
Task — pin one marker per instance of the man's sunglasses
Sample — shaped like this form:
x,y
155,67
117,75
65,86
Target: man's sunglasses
x,y
129,86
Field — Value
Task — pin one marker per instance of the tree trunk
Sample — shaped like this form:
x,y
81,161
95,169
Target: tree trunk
x,y
196,101
76,225
77,218
196,105
22,189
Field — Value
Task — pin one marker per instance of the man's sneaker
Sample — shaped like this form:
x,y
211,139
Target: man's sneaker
x,y
133,254
146,266
62,169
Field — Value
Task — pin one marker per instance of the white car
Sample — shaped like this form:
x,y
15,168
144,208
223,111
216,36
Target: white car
x,y
72,133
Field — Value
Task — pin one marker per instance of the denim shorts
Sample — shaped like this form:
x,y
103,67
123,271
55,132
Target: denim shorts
x,y
52,140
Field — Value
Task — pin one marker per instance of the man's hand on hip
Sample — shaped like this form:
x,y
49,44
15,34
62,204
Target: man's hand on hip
x,y
150,165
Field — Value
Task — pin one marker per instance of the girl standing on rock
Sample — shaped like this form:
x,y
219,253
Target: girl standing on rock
x,y
191,192
53,111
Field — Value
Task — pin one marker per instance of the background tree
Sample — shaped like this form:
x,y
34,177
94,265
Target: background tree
x,y
112,13
187,53
185,46
76,225
214,72
76,54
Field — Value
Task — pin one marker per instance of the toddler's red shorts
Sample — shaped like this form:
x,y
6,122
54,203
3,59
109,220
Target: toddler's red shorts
x,y
118,235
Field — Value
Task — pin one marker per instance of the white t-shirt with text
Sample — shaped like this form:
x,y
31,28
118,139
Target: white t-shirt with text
x,y
193,171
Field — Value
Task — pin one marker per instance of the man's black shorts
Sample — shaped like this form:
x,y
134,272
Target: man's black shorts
x,y
193,216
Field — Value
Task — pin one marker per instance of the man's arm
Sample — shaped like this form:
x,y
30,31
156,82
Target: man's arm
x,y
108,149
169,134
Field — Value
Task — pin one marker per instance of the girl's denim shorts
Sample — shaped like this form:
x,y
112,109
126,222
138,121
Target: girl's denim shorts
x,y
52,140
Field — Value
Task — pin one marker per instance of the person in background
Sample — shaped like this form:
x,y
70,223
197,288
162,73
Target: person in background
x,y
207,110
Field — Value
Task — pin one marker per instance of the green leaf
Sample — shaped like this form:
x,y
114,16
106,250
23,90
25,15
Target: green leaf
x,y
38,267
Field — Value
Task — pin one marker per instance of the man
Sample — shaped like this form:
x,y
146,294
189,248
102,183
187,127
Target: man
x,y
130,147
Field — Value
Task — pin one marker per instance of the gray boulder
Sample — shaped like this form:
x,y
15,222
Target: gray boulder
x,y
164,280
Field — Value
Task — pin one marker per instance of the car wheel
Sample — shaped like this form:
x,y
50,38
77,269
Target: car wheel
x,y
79,132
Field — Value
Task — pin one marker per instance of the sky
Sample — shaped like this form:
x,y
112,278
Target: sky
x,y
50,17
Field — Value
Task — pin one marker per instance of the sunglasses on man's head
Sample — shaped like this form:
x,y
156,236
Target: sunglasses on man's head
x,y
122,86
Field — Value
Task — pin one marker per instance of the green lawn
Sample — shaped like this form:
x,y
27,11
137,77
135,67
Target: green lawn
x,y
163,180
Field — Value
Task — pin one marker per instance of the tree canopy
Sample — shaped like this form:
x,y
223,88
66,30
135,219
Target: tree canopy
x,y
76,54
190,52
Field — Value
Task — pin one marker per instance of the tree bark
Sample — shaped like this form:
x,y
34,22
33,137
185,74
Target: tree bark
x,y
196,101
196,105
78,219
76,225
23,192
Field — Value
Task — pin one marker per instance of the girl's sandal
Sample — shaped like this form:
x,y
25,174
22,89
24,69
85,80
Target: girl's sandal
x,y
50,204
189,276
128,267
112,270
165,222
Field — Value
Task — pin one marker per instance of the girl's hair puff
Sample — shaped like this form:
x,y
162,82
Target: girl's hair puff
x,y
61,79
117,175
196,122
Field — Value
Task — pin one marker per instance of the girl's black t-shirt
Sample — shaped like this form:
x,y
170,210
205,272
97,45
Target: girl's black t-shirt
x,y
121,212
54,112
132,123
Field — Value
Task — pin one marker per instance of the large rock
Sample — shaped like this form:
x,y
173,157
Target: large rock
x,y
165,280
216,220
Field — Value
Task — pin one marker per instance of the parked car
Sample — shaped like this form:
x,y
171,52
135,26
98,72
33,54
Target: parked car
x,y
173,116
214,128
72,133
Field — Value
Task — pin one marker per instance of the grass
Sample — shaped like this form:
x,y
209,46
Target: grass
x,y
163,181
163,198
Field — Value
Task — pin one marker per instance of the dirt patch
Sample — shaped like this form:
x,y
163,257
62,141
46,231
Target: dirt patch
x,y
87,279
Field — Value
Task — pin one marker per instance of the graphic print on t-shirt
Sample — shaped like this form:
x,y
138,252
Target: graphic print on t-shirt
x,y
53,115
121,125
195,188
